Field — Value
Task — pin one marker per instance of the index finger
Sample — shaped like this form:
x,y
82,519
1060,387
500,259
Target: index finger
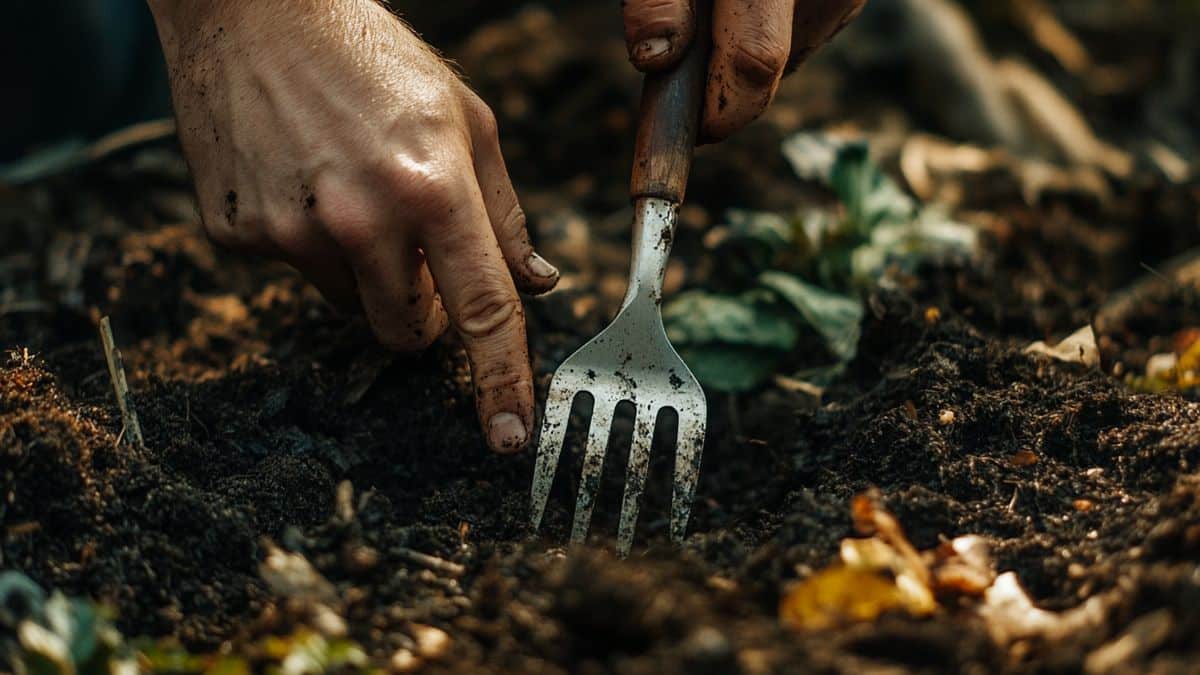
x,y
481,300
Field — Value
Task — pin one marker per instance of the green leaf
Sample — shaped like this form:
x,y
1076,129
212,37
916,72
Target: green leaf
x,y
870,197
85,628
813,154
836,317
931,237
730,368
769,232
346,653
23,597
229,665
169,657
700,318
731,343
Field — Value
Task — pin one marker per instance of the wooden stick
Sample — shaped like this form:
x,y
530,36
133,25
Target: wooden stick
x,y
132,430
430,562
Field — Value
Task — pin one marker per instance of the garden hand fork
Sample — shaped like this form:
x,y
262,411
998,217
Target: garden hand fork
x,y
632,360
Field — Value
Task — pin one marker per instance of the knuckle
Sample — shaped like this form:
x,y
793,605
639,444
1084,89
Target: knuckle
x,y
485,119
338,201
287,235
500,381
658,17
223,237
355,237
423,188
512,227
759,59
487,310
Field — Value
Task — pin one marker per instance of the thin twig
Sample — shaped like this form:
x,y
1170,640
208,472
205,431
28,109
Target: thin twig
x,y
427,561
116,371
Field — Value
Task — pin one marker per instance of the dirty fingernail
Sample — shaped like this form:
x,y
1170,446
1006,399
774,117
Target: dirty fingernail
x,y
506,432
651,49
541,268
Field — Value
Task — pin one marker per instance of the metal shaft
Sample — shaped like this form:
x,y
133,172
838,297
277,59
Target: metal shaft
x,y
653,233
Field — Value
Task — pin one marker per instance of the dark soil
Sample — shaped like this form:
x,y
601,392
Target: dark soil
x,y
257,399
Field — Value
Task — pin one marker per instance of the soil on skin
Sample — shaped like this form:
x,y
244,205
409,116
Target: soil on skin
x,y
256,400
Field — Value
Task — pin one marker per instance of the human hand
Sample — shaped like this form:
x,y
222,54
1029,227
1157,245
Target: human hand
x,y
326,134
753,43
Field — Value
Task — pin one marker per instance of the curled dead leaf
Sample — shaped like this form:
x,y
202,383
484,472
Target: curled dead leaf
x,y
1078,347
840,595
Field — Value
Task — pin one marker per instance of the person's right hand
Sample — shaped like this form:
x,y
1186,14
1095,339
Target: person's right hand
x,y
326,134
753,43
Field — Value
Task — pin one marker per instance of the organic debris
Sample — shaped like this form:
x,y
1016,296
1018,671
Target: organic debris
x,y
1078,347
1172,371
884,573
71,636
57,635
1010,615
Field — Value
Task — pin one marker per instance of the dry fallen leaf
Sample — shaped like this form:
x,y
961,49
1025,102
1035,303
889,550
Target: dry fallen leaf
x,y
1171,371
963,567
1078,347
877,574
1010,614
839,595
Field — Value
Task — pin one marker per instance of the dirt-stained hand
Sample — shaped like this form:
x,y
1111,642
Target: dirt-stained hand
x,y
754,43
325,133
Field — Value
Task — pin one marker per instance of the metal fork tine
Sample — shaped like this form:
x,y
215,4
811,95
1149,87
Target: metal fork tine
x,y
687,469
550,443
635,477
593,465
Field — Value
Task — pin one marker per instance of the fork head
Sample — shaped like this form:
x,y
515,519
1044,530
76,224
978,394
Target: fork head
x,y
630,360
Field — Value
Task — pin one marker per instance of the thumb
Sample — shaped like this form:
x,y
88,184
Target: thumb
x,y
658,32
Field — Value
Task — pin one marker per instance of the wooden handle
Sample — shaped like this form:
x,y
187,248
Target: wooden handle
x,y
670,118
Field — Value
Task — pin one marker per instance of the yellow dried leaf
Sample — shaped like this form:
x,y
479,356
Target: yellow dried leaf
x,y
1185,339
839,595
1189,360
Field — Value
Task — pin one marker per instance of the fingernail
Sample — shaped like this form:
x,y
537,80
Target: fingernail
x,y
541,268
506,432
651,49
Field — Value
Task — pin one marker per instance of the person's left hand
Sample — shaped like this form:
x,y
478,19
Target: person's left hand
x,y
754,43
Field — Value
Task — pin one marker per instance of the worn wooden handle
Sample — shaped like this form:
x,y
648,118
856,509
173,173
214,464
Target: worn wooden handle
x,y
670,118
